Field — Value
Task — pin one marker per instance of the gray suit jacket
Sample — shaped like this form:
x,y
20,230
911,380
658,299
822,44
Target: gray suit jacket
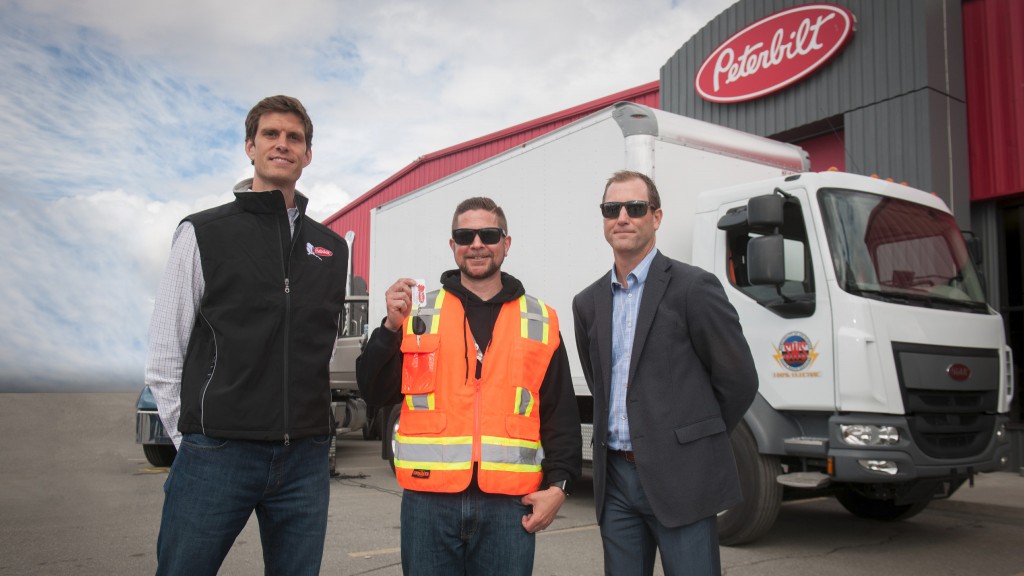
x,y
691,379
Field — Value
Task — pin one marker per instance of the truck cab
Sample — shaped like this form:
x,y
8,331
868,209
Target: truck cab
x,y
885,378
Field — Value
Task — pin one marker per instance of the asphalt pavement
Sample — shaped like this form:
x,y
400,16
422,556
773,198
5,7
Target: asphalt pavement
x,y
77,497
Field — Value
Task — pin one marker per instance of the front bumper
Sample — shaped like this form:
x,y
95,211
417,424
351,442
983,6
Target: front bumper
x,y
911,462
149,429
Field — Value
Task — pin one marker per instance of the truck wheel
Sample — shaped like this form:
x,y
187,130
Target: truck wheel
x,y
885,510
762,495
388,439
160,455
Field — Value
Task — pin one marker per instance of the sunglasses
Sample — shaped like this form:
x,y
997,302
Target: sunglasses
x,y
489,236
634,208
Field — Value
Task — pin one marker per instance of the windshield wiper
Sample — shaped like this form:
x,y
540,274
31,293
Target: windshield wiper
x,y
925,300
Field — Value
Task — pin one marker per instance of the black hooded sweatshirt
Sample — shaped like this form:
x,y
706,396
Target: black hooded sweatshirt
x,y
379,374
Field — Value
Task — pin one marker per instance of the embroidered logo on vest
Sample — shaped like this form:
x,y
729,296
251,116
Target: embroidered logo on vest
x,y
318,251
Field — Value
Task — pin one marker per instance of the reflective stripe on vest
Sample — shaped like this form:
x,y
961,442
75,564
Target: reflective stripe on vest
x,y
420,401
436,453
524,402
443,424
510,454
534,316
431,316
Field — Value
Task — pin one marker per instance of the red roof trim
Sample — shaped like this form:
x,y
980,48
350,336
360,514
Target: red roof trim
x,y
587,107
593,105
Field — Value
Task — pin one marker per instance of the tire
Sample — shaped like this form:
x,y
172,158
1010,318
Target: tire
x,y
160,455
762,494
884,510
388,435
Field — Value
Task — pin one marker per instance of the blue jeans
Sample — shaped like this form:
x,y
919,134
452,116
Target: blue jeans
x,y
215,485
467,533
630,534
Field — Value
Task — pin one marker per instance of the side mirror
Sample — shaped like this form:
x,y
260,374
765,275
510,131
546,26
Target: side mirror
x,y
973,246
766,264
765,211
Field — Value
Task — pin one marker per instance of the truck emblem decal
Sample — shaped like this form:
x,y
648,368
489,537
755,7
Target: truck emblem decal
x,y
774,52
959,372
795,352
318,252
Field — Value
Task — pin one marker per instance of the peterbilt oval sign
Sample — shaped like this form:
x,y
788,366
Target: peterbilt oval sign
x,y
958,372
774,52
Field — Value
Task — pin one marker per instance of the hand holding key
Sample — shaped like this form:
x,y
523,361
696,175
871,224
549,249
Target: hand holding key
x,y
398,302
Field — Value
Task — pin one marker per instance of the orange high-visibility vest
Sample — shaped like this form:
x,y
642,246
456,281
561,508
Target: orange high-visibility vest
x,y
450,419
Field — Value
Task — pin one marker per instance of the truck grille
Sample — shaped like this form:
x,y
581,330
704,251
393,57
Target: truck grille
x,y
948,418
951,435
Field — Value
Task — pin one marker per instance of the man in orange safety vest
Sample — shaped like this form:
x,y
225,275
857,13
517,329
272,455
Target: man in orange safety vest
x,y
488,441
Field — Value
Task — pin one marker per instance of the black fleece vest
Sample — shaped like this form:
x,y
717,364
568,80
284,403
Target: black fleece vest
x,y
257,365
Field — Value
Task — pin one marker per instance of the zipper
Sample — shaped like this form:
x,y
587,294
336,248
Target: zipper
x,y
477,439
287,321
286,265
477,359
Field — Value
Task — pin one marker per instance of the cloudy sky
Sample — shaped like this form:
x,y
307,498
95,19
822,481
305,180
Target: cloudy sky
x,y
120,117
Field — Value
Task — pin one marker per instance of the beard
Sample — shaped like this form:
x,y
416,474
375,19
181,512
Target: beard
x,y
478,274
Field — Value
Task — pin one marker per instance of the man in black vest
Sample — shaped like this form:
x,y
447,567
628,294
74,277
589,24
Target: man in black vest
x,y
242,333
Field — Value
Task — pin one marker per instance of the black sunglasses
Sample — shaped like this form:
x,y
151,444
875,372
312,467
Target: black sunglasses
x,y
634,208
489,236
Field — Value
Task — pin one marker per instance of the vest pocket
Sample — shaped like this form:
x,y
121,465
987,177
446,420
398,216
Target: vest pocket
x,y
419,364
523,427
419,422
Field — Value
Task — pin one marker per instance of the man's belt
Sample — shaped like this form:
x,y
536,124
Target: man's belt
x,y
627,454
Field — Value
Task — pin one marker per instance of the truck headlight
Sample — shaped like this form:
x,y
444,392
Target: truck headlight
x,y
884,466
869,435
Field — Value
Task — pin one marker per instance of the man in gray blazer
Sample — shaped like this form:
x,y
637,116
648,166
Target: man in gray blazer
x,y
671,375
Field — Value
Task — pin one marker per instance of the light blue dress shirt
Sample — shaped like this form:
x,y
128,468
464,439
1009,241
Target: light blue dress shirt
x,y
625,308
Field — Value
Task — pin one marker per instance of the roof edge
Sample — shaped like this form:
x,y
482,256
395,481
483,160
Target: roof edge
x,y
584,108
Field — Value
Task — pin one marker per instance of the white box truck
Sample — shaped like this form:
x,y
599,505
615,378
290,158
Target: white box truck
x,y
884,377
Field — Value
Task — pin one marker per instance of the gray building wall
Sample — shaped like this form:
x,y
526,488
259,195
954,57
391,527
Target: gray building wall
x,y
897,89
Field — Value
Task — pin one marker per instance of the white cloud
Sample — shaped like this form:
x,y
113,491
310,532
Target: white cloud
x,y
122,117
78,284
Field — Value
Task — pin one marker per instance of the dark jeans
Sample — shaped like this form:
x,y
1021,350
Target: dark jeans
x,y
215,485
631,534
467,533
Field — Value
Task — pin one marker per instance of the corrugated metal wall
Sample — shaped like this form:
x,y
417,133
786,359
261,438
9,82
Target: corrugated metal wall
x,y
891,138
356,215
898,87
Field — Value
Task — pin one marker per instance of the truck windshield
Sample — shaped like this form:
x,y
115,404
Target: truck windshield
x,y
898,251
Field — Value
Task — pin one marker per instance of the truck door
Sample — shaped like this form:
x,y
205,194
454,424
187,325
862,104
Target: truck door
x,y
789,326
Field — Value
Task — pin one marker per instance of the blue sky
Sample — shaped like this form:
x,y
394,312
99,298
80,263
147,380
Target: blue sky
x,y
121,117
